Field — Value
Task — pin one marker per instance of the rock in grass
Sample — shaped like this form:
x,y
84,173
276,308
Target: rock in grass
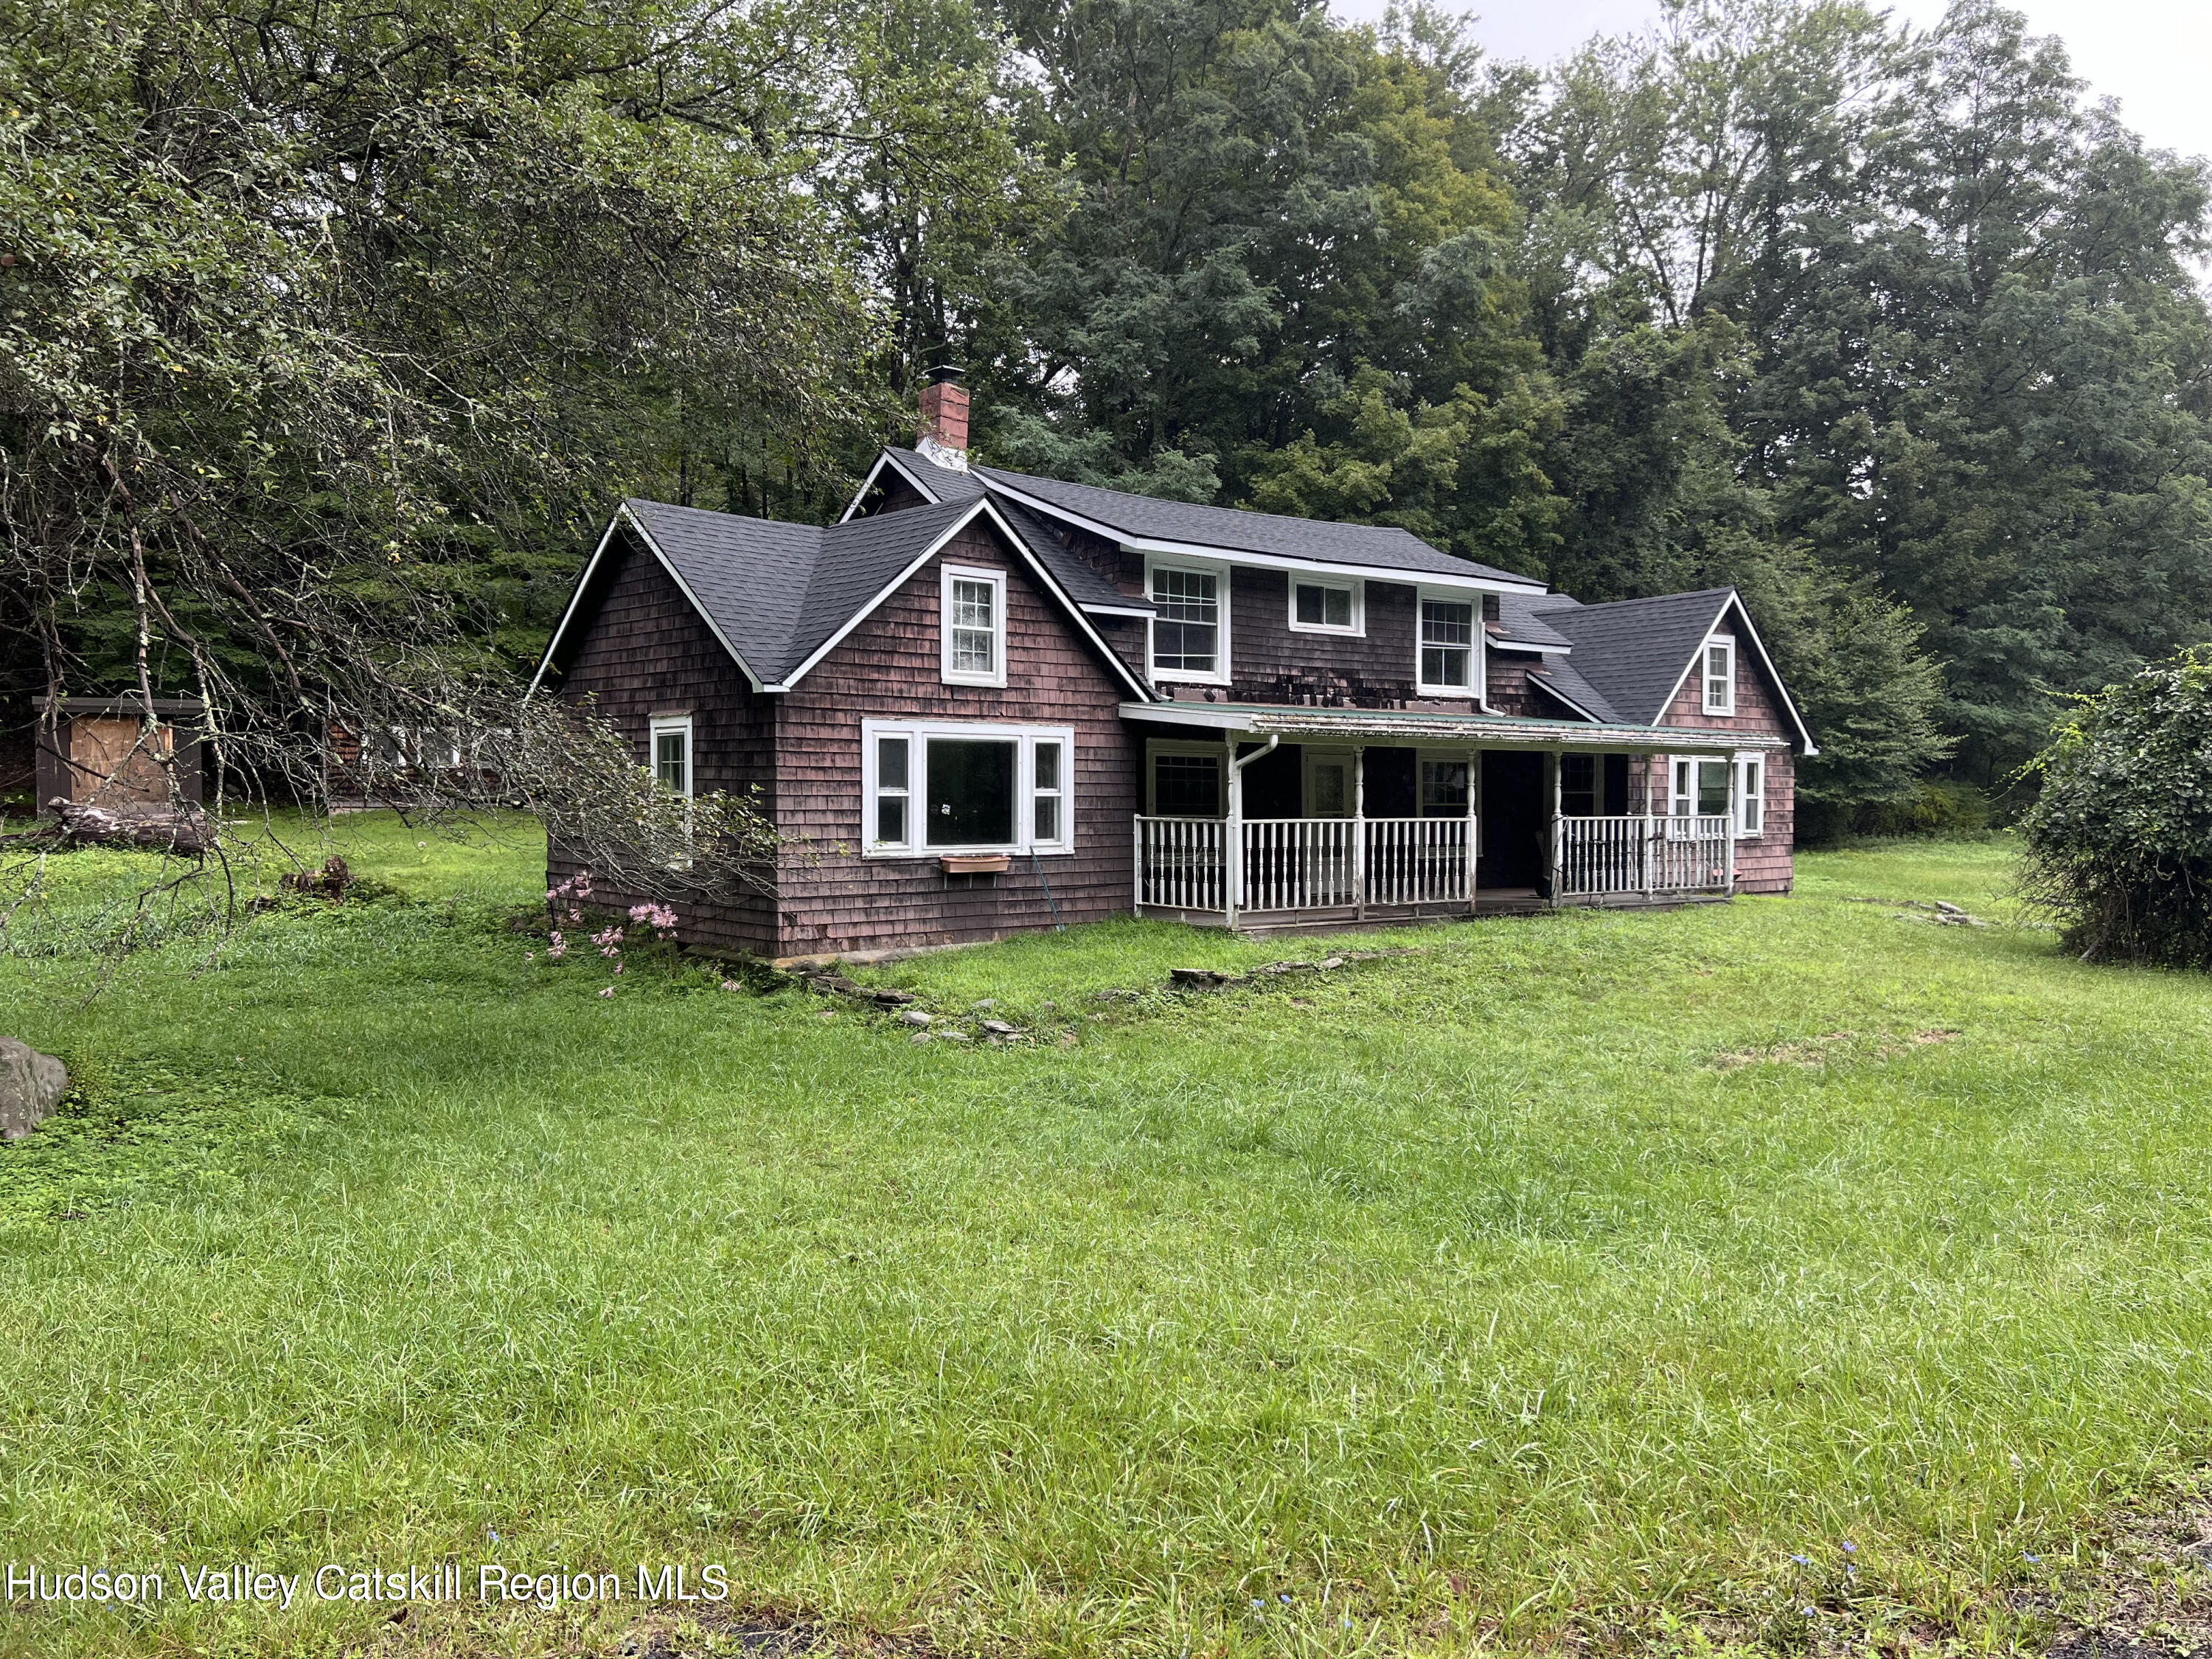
x,y
1000,1028
912,1017
31,1085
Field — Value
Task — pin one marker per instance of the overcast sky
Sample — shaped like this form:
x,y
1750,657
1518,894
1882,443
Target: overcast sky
x,y
2154,56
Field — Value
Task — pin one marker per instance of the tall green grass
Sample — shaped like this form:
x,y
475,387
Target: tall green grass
x,y
1571,1276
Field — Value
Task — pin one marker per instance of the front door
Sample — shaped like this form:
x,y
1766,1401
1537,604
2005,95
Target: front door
x,y
1515,816
1329,783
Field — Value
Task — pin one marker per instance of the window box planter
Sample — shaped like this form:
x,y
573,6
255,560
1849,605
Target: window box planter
x,y
974,864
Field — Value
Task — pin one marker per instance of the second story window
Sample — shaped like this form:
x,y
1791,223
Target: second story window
x,y
1448,647
1720,677
1188,635
974,626
1320,607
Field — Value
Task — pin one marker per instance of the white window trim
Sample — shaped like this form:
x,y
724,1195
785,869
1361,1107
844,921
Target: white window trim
x,y
1220,572
918,733
1723,642
656,727
1359,626
1478,665
1155,747
997,579
1750,802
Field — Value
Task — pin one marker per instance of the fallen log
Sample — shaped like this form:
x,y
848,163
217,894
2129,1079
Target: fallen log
x,y
187,831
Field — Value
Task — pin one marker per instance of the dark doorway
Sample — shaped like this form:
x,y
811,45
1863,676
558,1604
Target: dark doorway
x,y
1274,785
1515,815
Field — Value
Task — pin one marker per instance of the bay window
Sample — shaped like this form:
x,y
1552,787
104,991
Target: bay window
x,y
936,787
1190,632
1447,666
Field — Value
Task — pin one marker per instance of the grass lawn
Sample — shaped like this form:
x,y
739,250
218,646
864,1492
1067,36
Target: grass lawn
x,y
1787,1272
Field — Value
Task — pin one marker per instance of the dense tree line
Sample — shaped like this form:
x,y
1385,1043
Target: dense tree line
x,y
1899,334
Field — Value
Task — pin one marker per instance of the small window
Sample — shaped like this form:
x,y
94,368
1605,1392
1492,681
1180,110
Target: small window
x,y
1720,677
1447,645
974,626
1187,633
971,792
893,757
1326,607
671,753
1186,786
1579,785
1045,796
1443,789
1751,794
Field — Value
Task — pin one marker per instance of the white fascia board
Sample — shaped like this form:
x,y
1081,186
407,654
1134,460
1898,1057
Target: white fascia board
x,y
1531,647
1268,560
1759,645
982,505
885,459
1119,611
621,513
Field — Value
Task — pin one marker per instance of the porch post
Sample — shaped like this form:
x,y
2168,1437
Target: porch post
x,y
1736,806
1558,848
1359,827
1232,830
1473,824
1651,767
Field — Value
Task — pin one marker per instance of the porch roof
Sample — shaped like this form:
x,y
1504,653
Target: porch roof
x,y
1496,731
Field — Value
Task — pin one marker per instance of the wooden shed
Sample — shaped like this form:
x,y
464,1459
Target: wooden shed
x,y
96,752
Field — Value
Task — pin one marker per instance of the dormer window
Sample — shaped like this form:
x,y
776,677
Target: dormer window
x,y
974,626
1447,662
1720,675
1190,631
1326,607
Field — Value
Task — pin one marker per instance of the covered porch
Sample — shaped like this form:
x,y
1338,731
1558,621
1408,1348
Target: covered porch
x,y
1266,818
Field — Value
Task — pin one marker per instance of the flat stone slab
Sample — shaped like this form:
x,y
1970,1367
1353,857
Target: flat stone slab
x,y
31,1085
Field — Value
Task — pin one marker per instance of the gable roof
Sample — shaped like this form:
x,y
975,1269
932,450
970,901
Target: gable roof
x,y
779,596
1567,683
1636,652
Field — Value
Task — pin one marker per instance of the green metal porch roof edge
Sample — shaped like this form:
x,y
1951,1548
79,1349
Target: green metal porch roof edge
x,y
1289,720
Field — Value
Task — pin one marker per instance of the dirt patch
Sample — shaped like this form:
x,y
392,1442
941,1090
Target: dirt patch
x,y
2149,1594
1813,1054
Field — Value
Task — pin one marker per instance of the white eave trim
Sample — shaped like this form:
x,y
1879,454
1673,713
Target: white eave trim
x,y
1532,647
883,459
981,505
1236,556
583,581
1759,645
1140,613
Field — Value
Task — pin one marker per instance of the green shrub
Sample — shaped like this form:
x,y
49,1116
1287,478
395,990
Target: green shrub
x,y
2119,844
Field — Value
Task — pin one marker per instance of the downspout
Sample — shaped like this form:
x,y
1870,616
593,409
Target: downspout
x,y
1232,863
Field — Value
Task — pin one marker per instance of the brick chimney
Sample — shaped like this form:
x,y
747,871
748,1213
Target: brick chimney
x,y
943,437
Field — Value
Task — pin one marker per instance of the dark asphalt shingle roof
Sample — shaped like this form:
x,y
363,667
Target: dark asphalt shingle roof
x,y
1235,530
1083,582
778,591
1518,614
946,483
1634,652
1559,673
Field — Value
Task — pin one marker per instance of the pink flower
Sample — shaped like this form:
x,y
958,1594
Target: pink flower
x,y
618,967
609,992
529,956
729,985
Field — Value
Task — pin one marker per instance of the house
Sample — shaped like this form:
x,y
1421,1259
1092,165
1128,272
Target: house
x,y
103,751
989,702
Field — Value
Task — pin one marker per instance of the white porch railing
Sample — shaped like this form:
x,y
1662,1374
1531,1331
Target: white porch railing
x,y
1620,855
1304,864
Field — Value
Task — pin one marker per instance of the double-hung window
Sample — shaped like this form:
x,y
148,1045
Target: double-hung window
x,y
1701,788
973,613
671,752
942,787
1190,633
1751,794
1186,781
1719,675
1578,791
1326,607
1448,647
1443,788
